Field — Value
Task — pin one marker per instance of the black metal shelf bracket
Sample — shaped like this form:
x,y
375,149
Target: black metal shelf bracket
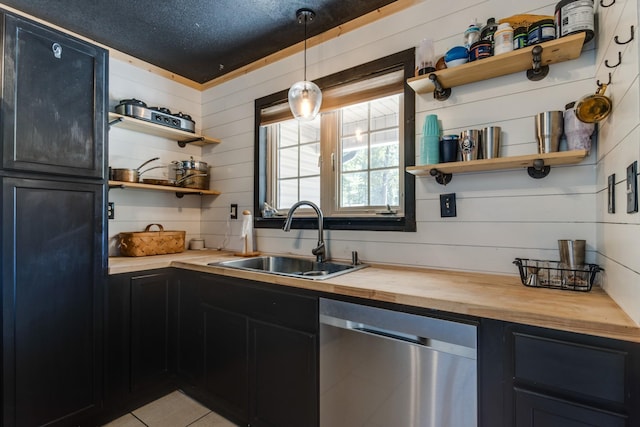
x,y
539,169
184,142
538,71
115,121
439,93
180,195
441,178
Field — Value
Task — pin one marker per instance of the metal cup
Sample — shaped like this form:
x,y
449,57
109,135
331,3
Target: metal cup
x,y
549,128
468,144
572,253
491,142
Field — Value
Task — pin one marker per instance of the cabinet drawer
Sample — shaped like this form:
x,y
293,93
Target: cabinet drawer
x,y
594,372
537,410
255,301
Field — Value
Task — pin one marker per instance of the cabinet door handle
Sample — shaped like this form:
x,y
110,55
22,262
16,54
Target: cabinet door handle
x,y
57,50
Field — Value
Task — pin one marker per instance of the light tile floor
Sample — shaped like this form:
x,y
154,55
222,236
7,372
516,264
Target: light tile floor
x,y
173,410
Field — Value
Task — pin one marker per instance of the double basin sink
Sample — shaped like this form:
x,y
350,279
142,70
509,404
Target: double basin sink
x,y
291,266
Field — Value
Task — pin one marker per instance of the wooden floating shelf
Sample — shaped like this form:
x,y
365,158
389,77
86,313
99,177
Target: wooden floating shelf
x,y
180,190
501,163
138,125
553,51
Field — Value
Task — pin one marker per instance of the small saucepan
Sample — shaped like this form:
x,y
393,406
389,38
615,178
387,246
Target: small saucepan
x,y
131,175
594,108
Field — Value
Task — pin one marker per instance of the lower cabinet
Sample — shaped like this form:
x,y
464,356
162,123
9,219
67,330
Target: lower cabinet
x,y
283,366
564,379
249,351
139,338
226,353
257,350
539,410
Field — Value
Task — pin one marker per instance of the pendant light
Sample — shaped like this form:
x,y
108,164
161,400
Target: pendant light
x,y
305,97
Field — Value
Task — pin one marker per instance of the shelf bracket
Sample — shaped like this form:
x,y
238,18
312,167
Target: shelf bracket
x,y
116,121
441,178
184,143
180,195
439,93
538,170
538,71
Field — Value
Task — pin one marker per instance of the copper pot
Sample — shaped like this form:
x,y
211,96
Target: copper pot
x,y
131,175
594,108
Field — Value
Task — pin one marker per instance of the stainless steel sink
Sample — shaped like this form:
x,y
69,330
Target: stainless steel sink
x,y
291,266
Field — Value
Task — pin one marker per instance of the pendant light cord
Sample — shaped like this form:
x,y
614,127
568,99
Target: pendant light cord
x,y
305,46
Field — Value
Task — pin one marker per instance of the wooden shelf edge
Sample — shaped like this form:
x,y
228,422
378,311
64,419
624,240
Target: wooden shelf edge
x,y
181,190
501,163
159,130
553,51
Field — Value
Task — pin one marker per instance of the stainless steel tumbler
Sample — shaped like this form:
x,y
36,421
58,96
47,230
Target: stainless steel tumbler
x,y
572,253
549,128
469,144
491,142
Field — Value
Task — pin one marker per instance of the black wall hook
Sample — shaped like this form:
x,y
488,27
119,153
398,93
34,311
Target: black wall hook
x,y
608,83
607,5
606,61
615,39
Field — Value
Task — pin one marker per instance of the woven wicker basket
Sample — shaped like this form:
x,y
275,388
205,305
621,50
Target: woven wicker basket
x,y
143,243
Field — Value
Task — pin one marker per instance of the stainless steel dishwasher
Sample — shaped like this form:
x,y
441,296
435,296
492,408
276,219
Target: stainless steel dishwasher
x,y
382,368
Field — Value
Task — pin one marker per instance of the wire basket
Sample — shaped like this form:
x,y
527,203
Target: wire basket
x,y
538,273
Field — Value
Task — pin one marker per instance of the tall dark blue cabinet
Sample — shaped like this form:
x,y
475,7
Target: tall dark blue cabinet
x,y
54,246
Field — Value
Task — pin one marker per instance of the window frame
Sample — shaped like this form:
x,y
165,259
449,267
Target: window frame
x,y
405,61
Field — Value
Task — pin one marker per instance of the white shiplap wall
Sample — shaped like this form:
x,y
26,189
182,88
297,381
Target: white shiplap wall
x,y
502,214
134,209
618,234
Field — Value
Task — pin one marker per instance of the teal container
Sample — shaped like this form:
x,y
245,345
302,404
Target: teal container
x,y
430,143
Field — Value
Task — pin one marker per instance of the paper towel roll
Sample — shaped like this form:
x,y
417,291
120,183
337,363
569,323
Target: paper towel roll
x,y
247,232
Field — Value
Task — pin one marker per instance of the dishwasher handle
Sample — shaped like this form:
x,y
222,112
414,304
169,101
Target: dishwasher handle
x,y
383,333
429,343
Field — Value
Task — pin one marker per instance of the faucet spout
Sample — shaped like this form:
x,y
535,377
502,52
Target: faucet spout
x,y
320,250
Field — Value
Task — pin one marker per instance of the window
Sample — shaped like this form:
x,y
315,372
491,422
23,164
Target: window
x,y
350,160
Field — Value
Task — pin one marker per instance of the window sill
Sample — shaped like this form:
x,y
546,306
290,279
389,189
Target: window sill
x,y
368,224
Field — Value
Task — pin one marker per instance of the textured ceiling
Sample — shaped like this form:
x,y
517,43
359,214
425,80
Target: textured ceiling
x,y
196,39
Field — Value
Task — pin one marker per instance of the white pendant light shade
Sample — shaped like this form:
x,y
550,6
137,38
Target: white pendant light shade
x,y
305,99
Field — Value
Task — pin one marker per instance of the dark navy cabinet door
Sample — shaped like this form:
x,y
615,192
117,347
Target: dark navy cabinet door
x,y
53,111
53,264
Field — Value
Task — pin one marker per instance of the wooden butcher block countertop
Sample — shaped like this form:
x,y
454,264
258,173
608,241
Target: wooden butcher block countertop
x,y
501,297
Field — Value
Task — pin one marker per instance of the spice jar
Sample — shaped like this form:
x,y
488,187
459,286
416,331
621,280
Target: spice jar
x,y
503,39
541,31
575,16
519,38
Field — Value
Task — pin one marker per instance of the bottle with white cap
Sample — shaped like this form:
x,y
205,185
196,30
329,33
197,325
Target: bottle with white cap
x,y
503,39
